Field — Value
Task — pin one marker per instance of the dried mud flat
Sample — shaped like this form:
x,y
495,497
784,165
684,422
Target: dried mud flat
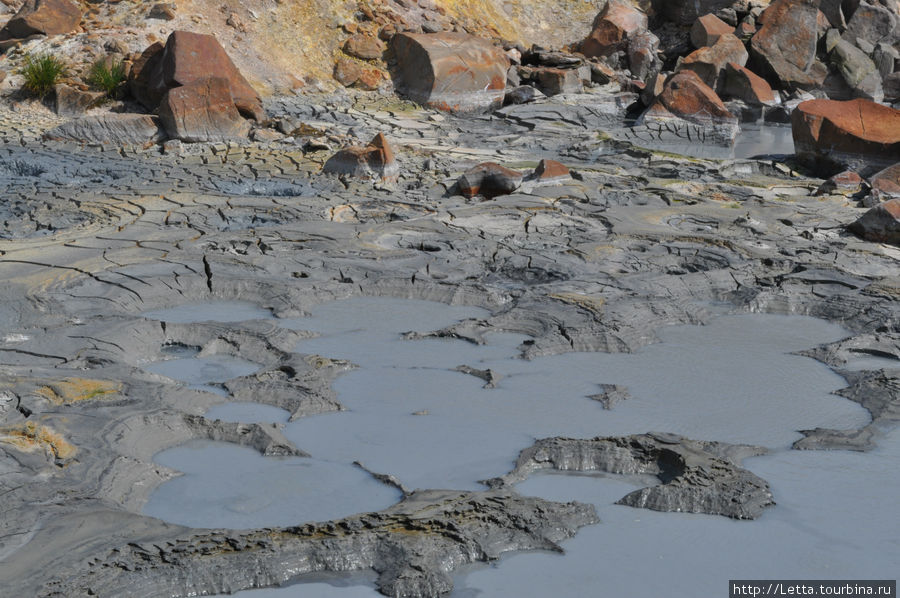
x,y
633,241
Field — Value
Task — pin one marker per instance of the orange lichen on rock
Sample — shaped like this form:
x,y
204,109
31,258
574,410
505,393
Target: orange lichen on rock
x,y
31,437
74,390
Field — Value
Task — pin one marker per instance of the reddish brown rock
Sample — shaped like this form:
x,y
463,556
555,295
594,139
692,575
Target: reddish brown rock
x,y
75,102
456,72
709,63
880,224
366,47
707,30
686,96
786,44
553,81
642,55
847,182
744,84
189,57
374,162
613,27
48,17
350,73
203,110
550,170
489,180
857,133
887,181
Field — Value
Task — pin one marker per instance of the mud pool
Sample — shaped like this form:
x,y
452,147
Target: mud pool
x,y
411,414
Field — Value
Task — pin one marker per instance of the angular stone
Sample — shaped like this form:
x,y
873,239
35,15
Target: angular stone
x,y
521,95
858,71
642,55
891,86
872,23
549,170
709,63
188,57
111,129
832,11
747,86
847,182
48,17
613,27
74,102
689,108
880,224
858,134
350,73
366,47
887,181
786,44
707,30
203,111
489,180
552,81
374,161
455,72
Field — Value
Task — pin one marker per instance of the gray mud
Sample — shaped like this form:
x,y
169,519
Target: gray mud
x,y
599,264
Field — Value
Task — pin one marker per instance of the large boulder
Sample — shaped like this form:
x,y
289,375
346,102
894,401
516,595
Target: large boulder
x,y
372,162
186,58
709,62
455,72
785,46
880,224
872,23
690,109
858,71
111,129
48,17
858,134
643,59
202,111
612,28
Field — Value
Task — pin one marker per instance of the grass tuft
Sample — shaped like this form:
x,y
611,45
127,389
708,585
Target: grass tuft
x,y
41,73
107,77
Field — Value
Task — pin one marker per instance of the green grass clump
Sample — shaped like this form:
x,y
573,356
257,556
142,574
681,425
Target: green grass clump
x,y
107,77
41,73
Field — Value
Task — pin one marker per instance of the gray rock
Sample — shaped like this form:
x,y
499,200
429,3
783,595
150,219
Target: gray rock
x,y
858,71
873,23
112,129
696,477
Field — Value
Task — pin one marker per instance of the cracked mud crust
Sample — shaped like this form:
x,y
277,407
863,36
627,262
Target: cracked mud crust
x,y
634,241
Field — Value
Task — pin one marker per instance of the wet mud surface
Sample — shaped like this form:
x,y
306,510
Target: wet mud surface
x,y
96,244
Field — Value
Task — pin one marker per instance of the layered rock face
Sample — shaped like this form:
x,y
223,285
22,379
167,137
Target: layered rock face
x,y
449,71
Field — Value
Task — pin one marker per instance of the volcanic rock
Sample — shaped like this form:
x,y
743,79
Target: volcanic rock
x,y
553,81
686,99
203,110
48,17
549,170
786,44
489,179
858,71
188,57
709,62
872,23
859,134
847,182
707,30
74,102
643,60
747,86
455,72
351,73
685,12
375,161
612,28
880,224
365,47
111,129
